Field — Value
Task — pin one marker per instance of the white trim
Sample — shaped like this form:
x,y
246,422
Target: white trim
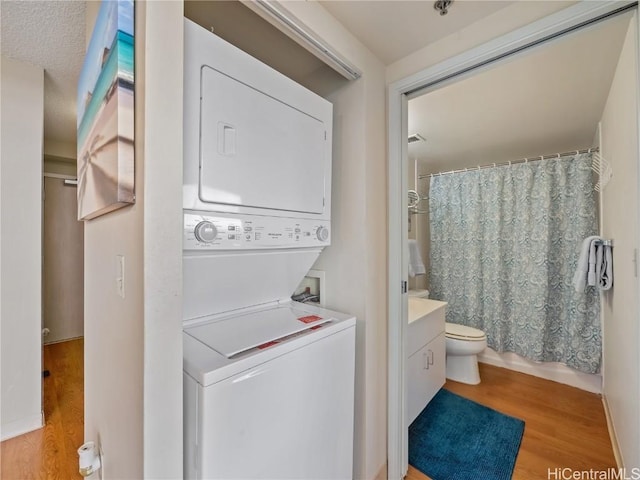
x,y
287,23
556,372
612,433
59,175
549,26
397,436
22,426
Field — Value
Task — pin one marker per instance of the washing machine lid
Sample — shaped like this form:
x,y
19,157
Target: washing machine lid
x,y
237,334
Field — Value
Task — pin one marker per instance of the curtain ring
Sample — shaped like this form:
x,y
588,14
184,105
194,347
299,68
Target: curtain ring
x,y
494,165
589,151
577,152
541,157
526,160
478,167
509,162
558,156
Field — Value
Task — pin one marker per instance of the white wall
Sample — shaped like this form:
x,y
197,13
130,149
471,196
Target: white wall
x,y
620,222
355,264
133,349
22,97
59,166
61,149
161,153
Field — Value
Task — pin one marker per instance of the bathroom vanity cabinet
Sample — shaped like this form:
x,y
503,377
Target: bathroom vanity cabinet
x,y
425,352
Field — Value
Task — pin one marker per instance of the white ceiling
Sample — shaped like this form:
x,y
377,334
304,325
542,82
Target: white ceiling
x,y
394,29
50,34
547,100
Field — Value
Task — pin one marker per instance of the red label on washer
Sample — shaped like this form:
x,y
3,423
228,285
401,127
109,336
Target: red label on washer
x,y
309,318
267,345
315,327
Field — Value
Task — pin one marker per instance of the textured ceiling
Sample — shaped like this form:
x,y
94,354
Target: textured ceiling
x,y
50,34
543,101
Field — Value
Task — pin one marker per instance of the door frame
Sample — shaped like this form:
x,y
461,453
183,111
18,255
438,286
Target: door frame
x,y
399,92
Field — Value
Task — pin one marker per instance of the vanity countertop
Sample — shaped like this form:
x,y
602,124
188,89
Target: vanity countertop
x,y
420,307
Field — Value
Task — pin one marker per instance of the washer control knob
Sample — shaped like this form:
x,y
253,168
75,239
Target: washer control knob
x,y
205,231
322,233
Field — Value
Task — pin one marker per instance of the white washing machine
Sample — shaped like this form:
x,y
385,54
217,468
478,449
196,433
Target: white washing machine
x,y
268,383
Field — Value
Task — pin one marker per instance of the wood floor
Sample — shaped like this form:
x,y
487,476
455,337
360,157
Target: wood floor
x,y
564,427
51,452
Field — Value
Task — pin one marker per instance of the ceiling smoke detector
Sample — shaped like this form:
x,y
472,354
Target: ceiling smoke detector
x,y
442,6
416,137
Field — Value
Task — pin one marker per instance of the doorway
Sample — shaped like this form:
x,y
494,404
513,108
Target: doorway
x,y
63,261
399,95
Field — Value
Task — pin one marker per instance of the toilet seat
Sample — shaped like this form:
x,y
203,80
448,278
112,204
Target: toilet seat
x,y
462,332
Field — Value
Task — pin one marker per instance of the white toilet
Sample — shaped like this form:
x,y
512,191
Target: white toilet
x,y
463,344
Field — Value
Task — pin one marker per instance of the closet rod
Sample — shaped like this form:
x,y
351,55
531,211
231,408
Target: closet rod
x,y
524,160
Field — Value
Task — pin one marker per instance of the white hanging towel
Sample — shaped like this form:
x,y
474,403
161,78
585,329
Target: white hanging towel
x,y
416,267
595,266
604,266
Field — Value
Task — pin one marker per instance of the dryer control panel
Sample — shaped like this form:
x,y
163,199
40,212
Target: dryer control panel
x,y
216,231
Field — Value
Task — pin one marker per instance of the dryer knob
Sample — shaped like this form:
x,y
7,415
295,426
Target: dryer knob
x,y
322,233
205,231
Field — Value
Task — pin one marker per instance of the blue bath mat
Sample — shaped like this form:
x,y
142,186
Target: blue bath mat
x,y
456,439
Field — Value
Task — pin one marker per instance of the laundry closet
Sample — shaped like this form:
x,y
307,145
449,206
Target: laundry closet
x,y
268,382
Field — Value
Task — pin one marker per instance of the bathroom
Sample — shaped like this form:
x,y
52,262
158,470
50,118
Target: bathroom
x,y
551,101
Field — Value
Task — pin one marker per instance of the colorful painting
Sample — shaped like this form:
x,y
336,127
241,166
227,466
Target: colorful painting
x,y
105,114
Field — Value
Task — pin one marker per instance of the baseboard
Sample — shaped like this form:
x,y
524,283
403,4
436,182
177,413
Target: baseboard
x,y
22,426
612,433
61,340
550,371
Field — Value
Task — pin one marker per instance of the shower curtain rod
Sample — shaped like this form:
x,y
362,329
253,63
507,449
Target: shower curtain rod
x,y
523,160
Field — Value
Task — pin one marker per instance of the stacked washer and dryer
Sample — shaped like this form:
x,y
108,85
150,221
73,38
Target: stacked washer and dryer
x,y
268,382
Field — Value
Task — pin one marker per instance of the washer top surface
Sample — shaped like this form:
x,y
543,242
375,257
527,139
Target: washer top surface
x,y
216,349
239,334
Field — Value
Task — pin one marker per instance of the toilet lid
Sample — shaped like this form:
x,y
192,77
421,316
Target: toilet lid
x,y
419,293
462,332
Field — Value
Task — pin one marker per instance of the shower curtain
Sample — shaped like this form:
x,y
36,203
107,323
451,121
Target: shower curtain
x,y
504,247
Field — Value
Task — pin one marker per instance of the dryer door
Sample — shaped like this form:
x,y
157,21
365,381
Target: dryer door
x,y
256,151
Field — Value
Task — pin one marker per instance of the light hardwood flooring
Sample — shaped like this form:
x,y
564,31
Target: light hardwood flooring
x,y
564,426
51,452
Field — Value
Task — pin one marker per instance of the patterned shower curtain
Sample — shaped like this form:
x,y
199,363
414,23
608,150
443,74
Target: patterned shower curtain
x,y
504,246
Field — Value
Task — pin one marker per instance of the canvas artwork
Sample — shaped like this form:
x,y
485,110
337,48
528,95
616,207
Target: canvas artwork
x,y
106,114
